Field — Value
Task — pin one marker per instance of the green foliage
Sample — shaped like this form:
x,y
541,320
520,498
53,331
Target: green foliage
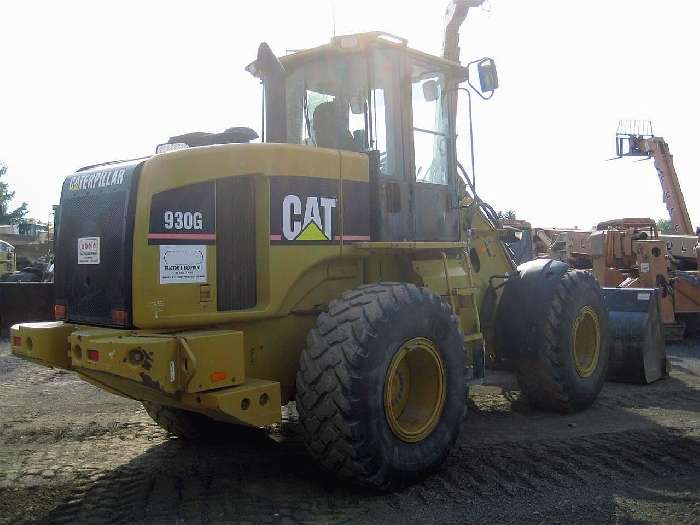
x,y
664,226
508,215
6,216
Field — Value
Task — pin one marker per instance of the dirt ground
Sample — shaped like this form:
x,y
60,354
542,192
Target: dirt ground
x,y
70,453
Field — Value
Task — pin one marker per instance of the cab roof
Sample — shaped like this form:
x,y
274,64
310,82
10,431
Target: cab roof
x,y
360,42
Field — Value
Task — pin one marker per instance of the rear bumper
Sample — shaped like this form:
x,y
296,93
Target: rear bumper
x,y
202,371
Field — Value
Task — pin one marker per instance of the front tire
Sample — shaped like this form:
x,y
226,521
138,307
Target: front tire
x,y
381,387
565,369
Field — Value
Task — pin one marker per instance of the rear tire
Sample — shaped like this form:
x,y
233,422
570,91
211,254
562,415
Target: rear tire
x,y
193,426
381,387
565,369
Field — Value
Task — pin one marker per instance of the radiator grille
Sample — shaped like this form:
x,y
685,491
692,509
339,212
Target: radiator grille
x,y
235,243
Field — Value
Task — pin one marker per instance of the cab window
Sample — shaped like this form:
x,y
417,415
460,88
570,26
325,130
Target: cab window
x,y
385,111
430,127
327,104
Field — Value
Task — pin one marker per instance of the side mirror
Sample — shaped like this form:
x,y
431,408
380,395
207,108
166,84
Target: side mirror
x,y
431,90
488,75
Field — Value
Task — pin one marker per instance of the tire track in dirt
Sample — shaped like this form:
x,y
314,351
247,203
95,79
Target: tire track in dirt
x,y
209,484
23,436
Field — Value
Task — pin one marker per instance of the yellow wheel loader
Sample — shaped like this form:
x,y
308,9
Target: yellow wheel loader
x,y
344,263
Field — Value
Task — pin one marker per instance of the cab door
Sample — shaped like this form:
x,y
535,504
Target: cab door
x,y
391,184
432,169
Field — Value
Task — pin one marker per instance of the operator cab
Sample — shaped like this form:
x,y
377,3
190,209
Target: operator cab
x,y
369,93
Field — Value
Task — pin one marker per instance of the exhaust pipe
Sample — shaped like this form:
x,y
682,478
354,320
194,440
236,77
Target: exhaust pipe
x,y
269,69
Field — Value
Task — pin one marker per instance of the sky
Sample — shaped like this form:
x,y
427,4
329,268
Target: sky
x,y
83,82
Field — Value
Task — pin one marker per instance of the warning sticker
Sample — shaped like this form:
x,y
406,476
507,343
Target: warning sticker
x,y
89,250
183,264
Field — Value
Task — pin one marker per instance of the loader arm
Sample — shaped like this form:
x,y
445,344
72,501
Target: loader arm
x,y
456,13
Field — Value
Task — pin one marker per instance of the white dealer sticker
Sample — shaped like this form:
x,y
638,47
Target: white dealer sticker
x,y
89,250
183,264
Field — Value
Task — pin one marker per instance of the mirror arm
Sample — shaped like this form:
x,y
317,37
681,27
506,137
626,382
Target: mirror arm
x,y
471,139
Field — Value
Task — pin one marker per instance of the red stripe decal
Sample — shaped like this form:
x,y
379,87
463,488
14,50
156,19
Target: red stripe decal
x,y
176,236
275,237
356,237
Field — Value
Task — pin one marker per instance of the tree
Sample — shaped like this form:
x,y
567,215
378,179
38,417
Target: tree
x,y
665,226
9,217
508,215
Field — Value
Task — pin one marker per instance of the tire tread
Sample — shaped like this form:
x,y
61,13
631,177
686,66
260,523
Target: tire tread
x,y
546,386
330,370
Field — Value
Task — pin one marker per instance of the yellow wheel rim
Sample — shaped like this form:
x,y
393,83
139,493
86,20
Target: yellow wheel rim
x,y
414,390
585,341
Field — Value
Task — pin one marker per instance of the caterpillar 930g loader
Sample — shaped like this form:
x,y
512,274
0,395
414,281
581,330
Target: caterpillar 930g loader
x,y
343,263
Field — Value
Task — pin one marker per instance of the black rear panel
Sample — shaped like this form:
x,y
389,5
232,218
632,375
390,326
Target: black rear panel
x,y
94,244
235,243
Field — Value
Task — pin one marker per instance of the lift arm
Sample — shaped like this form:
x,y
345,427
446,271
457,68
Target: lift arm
x,y
454,18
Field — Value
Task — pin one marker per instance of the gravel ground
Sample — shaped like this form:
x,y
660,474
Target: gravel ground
x,y
70,453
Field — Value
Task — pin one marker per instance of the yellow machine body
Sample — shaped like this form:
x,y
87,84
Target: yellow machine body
x,y
187,353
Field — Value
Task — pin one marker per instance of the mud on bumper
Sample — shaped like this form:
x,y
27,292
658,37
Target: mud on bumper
x,y
202,371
